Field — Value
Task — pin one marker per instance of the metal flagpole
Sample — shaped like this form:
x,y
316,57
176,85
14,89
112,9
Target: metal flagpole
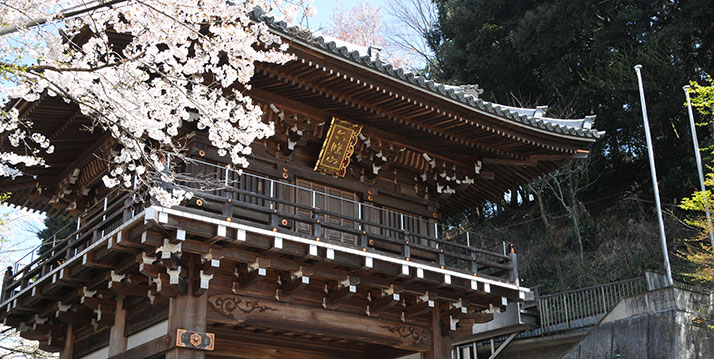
x,y
662,237
698,157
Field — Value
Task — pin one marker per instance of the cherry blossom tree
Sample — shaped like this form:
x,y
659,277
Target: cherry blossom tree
x,y
364,25
185,61
360,25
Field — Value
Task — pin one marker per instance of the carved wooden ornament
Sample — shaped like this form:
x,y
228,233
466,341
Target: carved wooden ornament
x,y
418,335
338,148
234,306
195,340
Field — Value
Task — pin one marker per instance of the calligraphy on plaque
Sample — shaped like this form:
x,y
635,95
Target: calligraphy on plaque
x,y
337,148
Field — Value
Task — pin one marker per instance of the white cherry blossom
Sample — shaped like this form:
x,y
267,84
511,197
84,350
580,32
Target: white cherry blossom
x,y
186,61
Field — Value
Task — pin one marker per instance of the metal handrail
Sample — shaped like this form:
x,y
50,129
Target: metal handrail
x,y
583,307
444,230
26,273
590,287
75,221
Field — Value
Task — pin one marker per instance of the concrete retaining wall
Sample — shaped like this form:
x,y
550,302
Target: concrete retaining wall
x,y
657,324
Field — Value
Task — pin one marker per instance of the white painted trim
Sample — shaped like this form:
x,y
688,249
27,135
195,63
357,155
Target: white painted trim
x,y
333,247
147,334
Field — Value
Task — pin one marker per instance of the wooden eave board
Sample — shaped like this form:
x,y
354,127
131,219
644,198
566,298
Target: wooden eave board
x,y
399,90
506,177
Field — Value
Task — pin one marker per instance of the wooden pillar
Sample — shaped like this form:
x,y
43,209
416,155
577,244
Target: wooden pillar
x,y
68,343
187,311
440,344
117,340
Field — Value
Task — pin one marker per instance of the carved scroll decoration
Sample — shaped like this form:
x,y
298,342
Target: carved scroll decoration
x,y
232,305
418,335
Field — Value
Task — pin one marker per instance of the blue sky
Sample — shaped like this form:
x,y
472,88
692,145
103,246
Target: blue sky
x,y
325,8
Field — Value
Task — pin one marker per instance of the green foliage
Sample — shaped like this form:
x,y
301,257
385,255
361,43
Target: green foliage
x,y
55,227
703,97
698,250
578,57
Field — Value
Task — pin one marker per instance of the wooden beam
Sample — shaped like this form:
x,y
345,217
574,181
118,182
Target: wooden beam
x,y
67,351
188,312
130,289
117,340
441,345
243,310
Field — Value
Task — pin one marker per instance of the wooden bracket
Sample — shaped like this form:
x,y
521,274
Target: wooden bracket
x,y
419,309
163,287
384,302
170,254
176,279
338,296
202,283
210,264
294,285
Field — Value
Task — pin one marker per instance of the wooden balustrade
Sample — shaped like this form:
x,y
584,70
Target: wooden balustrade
x,y
90,226
271,204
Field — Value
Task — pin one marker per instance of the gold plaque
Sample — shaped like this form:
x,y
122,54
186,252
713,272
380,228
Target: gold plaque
x,y
337,148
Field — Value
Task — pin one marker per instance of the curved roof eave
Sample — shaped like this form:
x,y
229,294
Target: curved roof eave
x,y
552,127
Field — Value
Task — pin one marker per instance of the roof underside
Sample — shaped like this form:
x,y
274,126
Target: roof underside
x,y
74,145
511,146
506,162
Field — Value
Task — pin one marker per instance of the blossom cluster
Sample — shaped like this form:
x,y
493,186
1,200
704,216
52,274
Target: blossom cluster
x,y
185,61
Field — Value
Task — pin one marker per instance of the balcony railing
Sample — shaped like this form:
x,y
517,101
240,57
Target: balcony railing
x,y
222,192
85,229
273,203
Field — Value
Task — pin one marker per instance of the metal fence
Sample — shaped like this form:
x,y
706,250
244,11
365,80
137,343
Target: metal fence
x,y
582,307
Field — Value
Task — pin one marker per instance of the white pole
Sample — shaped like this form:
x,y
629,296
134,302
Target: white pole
x,y
698,157
653,171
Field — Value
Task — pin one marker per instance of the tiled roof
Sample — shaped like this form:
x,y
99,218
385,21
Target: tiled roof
x,y
357,55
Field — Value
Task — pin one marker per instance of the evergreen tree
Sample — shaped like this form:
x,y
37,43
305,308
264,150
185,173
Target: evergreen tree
x,y
578,57
57,229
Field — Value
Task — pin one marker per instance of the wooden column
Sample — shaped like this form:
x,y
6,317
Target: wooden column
x,y
441,344
187,311
117,340
68,343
